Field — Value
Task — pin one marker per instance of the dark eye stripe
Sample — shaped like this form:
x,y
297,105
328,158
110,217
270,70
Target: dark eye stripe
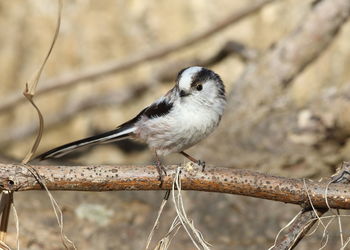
x,y
202,76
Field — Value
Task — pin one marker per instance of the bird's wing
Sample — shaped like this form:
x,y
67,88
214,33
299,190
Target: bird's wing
x,y
159,108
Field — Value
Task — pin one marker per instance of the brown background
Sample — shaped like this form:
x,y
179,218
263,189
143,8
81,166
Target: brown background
x,y
96,32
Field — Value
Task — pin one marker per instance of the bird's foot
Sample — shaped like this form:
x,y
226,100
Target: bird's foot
x,y
342,175
198,162
201,164
161,170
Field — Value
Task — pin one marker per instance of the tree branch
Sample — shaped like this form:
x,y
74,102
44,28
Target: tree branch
x,y
296,232
308,217
97,71
16,177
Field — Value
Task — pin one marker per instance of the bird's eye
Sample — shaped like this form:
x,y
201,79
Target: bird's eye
x,y
199,87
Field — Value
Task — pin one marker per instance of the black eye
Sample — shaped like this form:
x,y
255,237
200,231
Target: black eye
x,y
199,87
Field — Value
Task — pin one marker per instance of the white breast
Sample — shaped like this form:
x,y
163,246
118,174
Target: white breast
x,y
184,126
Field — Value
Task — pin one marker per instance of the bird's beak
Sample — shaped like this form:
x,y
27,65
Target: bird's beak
x,y
183,93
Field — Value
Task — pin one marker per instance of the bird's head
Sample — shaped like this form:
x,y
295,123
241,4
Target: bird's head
x,y
200,85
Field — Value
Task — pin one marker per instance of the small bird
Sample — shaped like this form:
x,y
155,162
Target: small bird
x,y
185,115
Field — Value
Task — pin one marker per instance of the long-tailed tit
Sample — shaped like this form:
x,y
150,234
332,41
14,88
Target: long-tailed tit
x,y
181,118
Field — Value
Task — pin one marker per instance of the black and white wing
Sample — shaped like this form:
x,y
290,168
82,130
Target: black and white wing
x,y
159,108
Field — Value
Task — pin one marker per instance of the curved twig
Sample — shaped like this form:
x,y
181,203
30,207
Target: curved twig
x,y
73,78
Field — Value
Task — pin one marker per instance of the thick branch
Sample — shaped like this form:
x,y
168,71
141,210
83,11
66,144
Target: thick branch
x,y
213,179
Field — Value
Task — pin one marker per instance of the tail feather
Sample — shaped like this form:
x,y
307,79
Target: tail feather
x,y
114,135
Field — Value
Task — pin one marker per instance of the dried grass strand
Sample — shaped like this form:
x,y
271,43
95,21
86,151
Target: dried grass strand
x,y
156,223
15,215
68,244
325,233
181,212
165,242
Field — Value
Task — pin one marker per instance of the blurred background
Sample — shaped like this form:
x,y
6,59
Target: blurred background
x,y
301,130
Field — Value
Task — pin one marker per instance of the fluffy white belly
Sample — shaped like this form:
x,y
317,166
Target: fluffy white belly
x,y
177,131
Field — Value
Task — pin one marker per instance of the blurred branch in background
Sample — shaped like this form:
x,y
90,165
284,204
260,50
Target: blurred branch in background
x,y
97,71
270,127
259,99
128,93
16,177
289,56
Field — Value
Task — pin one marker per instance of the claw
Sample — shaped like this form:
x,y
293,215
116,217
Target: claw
x,y
341,177
160,169
198,162
202,164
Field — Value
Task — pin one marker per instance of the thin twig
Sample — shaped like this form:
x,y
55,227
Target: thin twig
x,y
29,93
73,78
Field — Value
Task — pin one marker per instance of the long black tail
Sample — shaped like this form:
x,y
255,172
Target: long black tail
x,y
114,135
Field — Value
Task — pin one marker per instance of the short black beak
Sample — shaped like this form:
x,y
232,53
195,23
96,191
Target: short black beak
x,y
183,93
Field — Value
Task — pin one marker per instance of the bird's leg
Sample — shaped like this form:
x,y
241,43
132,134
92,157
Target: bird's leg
x,y
160,169
199,162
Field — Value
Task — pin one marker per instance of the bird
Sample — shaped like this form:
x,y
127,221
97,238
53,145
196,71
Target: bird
x,y
184,116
